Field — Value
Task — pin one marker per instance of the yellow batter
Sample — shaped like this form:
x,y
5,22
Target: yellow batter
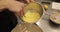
x,y
31,17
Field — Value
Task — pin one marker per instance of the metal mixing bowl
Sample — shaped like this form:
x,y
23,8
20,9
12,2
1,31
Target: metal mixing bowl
x,y
30,25
41,12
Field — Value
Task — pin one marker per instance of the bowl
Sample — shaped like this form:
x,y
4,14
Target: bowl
x,y
41,12
55,18
27,27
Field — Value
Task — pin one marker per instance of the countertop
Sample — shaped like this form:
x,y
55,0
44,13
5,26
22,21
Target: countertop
x,y
45,24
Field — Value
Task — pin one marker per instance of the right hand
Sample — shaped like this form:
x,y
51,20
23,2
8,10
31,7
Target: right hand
x,y
12,5
28,1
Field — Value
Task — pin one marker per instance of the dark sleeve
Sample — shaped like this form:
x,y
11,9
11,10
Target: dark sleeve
x,y
13,19
13,22
7,21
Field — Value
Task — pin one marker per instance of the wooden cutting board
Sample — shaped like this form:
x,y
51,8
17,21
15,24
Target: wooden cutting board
x,y
26,27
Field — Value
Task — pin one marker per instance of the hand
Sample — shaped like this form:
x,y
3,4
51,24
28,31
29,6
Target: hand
x,y
15,6
28,1
12,5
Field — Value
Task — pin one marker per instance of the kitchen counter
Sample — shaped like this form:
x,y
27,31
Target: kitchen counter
x,y
45,24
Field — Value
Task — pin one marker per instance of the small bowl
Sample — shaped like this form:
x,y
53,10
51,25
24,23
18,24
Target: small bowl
x,y
55,18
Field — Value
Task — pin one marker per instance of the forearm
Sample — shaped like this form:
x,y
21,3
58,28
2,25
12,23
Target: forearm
x,y
3,4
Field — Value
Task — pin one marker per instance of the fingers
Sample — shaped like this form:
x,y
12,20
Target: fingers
x,y
21,13
28,1
32,1
15,6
